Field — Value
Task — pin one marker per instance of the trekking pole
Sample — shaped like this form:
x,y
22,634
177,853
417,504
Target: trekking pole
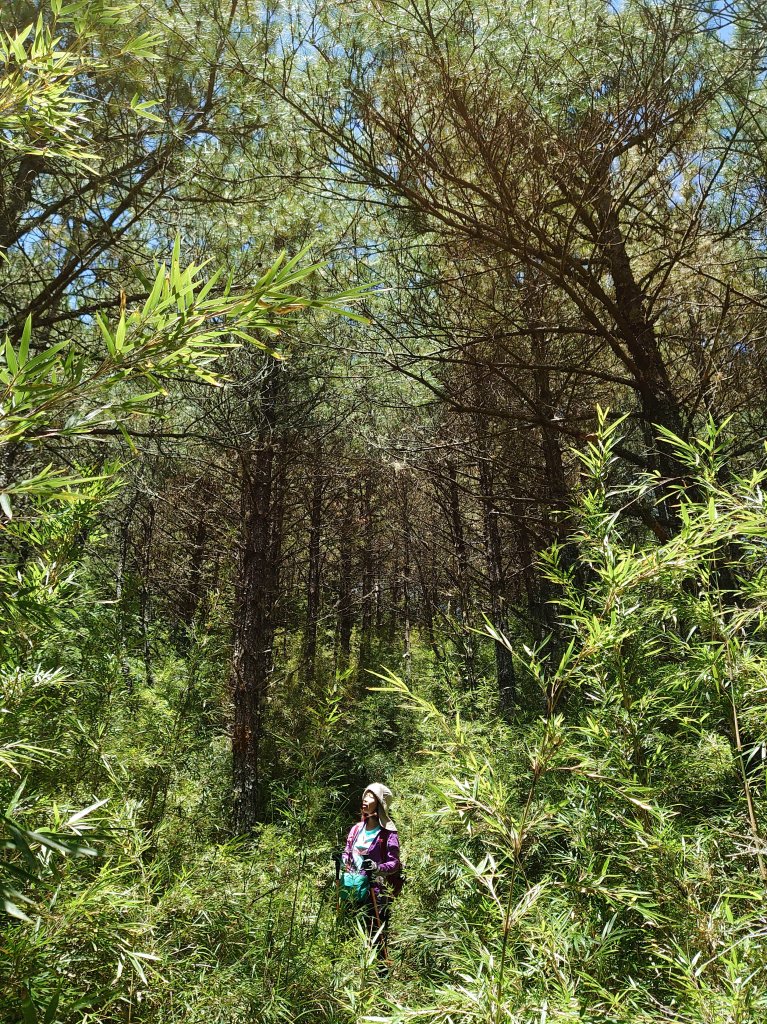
x,y
380,932
374,898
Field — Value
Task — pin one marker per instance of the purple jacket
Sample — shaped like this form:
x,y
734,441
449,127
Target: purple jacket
x,y
384,851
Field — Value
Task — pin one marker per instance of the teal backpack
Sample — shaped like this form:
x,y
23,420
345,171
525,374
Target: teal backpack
x,y
354,888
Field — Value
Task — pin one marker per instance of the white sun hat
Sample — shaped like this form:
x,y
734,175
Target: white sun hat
x,y
384,796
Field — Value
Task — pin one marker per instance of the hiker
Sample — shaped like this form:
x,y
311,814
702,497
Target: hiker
x,y
372,869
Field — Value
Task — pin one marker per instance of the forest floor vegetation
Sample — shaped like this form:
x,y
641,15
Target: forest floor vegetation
x,y
598,857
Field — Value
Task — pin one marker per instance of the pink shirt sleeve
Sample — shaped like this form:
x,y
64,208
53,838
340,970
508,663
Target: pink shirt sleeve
x,y
350,844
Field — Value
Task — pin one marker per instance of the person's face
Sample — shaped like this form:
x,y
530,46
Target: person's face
x,y
369,803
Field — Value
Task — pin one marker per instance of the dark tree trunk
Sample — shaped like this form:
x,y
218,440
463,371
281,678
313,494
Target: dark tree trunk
x,y
262,489
253,631
659,405
193,595
425,582
459,544
406,543
394,595
556,484
122,605
15,195
504,664
345,569
461,570
368,575
314,568
378,598
122,554
145,599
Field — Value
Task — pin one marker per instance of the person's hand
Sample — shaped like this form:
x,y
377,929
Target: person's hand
x,y
369,864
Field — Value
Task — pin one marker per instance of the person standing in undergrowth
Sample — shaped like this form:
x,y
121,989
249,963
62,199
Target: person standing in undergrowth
x,y
372,868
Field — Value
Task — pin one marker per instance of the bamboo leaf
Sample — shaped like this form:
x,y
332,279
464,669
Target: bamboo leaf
x,y
26,335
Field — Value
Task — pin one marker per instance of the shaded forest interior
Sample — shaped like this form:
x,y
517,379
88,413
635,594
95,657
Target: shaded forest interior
x,y
383,399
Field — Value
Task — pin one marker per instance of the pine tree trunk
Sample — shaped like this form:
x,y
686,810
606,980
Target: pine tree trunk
x,y
262,503
462,577
406,559
345,569
504,664
314,567
368,576
193,594
145,598
253,631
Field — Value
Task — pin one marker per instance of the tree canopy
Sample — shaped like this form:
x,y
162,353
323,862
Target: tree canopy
x,y
382,400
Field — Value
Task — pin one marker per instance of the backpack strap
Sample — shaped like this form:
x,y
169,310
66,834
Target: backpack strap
x,y
353,837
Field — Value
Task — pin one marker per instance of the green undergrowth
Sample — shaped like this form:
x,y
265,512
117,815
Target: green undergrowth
x,y
596,856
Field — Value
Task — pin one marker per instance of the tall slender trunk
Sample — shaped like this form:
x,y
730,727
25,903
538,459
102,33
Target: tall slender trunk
x,y
314,579
262,490
461,570
121,607
491,515
556,485
459,542
345,568
254,631
122,554
659,405
395,592
193,595
426,584
504,664
368,575
406,542
145,598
